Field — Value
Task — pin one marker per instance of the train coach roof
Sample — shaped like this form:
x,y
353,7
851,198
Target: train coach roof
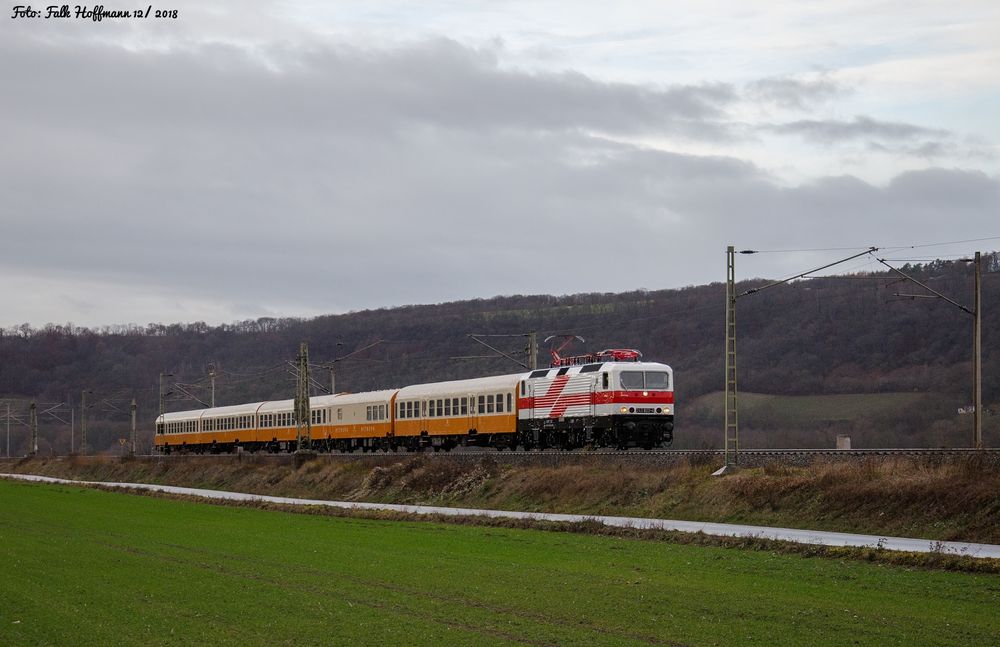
x,y
234,410
276,405
355,398
460,386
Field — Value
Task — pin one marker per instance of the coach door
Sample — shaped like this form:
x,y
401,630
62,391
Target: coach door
x,y
473,415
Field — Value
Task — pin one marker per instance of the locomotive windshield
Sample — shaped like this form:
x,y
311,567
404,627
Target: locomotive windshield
x,y
645,380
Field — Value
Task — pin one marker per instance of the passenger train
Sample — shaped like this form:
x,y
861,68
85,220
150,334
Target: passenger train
x,y
602,401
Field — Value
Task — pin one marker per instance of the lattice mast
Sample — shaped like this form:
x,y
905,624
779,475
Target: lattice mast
x,y
303,427
732,431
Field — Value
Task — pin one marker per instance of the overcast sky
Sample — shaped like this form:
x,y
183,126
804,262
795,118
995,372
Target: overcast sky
x,y
299,158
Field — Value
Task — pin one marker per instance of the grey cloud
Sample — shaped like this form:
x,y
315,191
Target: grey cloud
x,y
437,82
333,181
793,93
862,127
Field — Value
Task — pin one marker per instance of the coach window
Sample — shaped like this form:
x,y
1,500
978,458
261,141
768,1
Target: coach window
x,y
489,403
499,402
509,407
440,408
465,406
482,404
368,413
447,406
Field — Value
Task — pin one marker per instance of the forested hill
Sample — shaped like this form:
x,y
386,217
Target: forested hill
x,y
819,336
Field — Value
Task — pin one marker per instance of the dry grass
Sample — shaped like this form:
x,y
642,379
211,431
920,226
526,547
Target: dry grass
x,y
938,500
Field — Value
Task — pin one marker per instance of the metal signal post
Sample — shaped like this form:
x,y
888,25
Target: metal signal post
x,y
732,447
303,427
977,348
977,356
732,429
131,446
33,424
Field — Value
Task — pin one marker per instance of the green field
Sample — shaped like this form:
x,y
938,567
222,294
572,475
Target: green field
x,y
807,410
91,567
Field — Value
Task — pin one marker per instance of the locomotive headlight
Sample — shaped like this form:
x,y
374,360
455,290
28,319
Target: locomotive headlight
x,y
624,409
645,392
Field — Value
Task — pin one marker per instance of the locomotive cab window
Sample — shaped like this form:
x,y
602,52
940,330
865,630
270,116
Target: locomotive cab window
x,y
632,380
657,380
645,380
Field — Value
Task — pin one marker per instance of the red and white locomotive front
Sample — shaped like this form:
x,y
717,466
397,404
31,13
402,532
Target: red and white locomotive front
x,y
601,403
